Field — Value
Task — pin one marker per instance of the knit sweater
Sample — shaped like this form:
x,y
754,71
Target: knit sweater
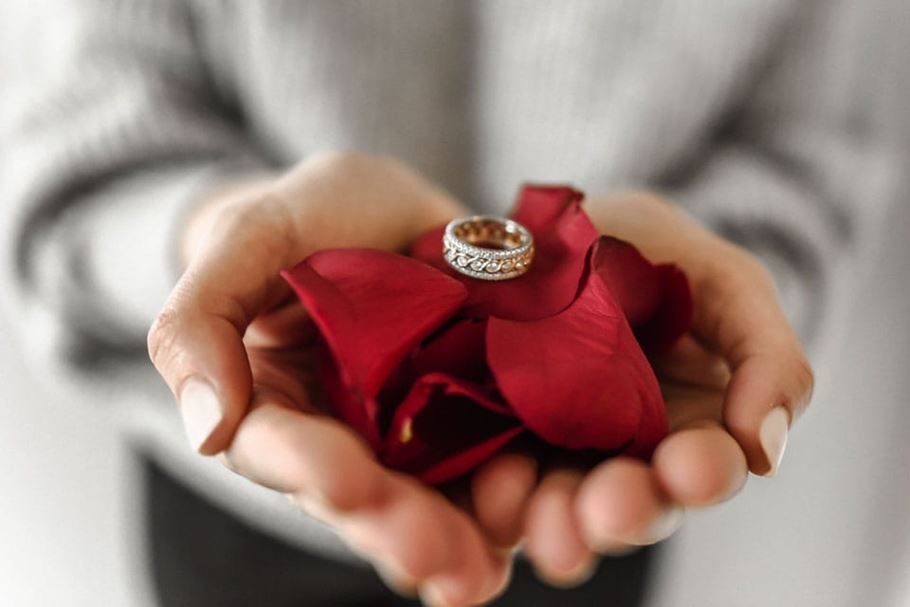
x,y
760,118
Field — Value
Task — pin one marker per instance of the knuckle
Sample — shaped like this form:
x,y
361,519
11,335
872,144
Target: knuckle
x,y
804,382
243,226
759,271
162,335
741,265
756,272
267,425
348,163
333,160
235,219
654,202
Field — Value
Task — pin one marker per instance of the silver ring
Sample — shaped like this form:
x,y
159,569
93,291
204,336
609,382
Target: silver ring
x,y
487,247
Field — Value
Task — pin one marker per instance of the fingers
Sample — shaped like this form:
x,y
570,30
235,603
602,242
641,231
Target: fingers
x,y
627,502
738,313
689,363
287,326
417,533
554,541
621,502
241,240
765,395
501,489
196,343
700,466
308,455
411,533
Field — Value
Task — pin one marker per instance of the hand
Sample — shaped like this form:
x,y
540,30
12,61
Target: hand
x,y
232,344
732,388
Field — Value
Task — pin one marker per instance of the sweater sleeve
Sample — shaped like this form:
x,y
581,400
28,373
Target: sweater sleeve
x,y
802,172
107,137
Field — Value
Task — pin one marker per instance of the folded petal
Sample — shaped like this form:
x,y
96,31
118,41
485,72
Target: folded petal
x,y
459,350
372,308
562,234
673,316
354,408
655,298
579,379
446,427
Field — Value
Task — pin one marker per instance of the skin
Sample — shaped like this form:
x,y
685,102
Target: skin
x,y
232,322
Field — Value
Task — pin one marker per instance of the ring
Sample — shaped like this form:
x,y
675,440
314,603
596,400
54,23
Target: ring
x,y
488,248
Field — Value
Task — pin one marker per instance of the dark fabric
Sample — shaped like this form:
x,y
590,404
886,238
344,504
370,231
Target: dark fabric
x,y
202,556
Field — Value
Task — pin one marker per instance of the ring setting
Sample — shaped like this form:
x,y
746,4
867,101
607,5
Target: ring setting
x,y
487,247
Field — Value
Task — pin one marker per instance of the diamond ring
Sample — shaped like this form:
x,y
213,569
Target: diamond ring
x,y
488,248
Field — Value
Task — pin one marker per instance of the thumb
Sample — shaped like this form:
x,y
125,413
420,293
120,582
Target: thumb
x,y
738,313
196,343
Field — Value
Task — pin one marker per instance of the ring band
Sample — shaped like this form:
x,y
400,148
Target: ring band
x,y
488,248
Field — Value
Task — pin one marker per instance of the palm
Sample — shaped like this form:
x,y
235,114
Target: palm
x,y
280,347
270,429
287,442
693,382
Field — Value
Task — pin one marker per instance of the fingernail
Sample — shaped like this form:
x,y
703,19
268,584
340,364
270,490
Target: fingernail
x,y
577,576
507,551
665,526
396,579
773,437
584,571
431,596
201,411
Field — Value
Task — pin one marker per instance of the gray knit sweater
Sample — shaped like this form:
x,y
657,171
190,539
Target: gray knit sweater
x,y
762,118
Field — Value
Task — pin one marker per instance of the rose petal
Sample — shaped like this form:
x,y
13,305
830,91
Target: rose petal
x,y
446,427
674,314
579,379
341,401
459,350
655,298
428,249
372,308
540,207
631,278
562,233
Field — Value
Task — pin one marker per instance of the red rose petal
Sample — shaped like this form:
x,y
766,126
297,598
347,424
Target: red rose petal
x,y
428,249
459,351
562,233
579,379
655,298
674,314
372,308
541,207
446,427
631,278
342,401
470,458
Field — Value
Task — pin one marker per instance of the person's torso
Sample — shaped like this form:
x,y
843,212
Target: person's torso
x,y
482,96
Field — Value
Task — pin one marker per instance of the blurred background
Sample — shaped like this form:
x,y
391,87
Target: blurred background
x,y
831,530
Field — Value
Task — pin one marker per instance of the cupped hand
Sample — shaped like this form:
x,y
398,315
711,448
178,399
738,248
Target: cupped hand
x,y
732,388
231,344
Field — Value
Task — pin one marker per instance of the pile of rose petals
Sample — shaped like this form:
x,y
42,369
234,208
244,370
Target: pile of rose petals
x,y
439,371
